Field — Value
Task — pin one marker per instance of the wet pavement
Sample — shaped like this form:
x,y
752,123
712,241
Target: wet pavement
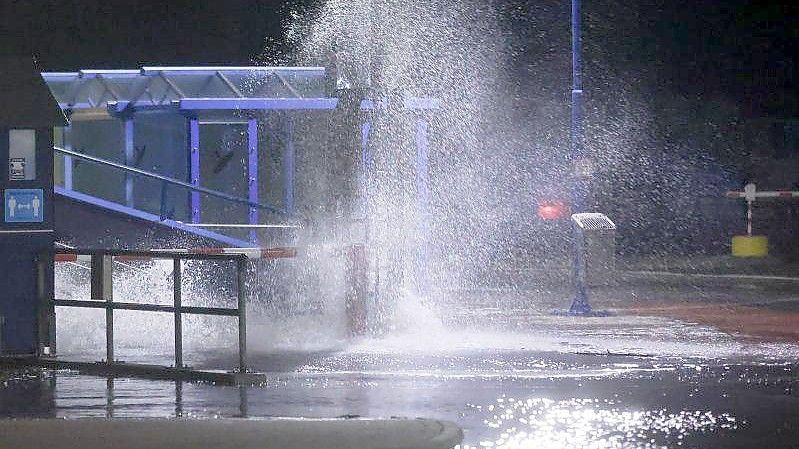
x,y
497,363
531,400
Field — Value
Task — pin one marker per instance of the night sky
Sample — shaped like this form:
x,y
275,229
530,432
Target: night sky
x,y
740,48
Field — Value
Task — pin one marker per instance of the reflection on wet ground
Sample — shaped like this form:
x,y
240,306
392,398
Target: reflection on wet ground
x,y
658,405
500,365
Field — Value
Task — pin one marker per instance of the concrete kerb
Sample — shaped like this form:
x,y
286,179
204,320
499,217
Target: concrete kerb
x,y
280,433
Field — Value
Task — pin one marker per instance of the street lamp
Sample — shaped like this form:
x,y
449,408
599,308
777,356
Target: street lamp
x,y
580,173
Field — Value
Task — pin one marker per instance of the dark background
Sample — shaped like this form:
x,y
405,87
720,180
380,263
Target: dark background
x,y
717,78
741,48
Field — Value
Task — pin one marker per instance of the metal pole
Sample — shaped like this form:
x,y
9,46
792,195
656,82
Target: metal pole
x,y
127,124
580,304
66,142
178,301
103,290
178,399
109,397
289,161
241,272
46,309
244,406
193,140
423,207
252,175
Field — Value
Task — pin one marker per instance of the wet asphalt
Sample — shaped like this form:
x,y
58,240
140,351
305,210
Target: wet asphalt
x,y
500,365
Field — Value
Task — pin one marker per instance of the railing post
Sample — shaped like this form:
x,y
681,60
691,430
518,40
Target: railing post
x,y
241,274
46,309
356,298
176,275
103,290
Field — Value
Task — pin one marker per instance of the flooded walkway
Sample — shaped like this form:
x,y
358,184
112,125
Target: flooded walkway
x,y
500,365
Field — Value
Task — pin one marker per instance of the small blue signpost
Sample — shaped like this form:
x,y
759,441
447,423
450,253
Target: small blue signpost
x,y
24,205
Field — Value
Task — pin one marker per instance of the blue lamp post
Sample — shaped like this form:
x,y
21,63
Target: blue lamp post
x,y
581,169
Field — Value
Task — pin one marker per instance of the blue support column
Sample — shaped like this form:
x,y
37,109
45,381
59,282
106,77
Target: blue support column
x,y
193,141
363,175
580,305
252,174
423,208
66,143
288,167
127,130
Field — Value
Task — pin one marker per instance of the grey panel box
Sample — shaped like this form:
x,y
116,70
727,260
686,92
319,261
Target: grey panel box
x,y
596,248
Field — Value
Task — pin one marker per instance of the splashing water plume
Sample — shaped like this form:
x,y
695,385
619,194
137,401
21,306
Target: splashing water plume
x,y
454,52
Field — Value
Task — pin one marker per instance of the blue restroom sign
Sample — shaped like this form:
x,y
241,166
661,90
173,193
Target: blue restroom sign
x,y
24,205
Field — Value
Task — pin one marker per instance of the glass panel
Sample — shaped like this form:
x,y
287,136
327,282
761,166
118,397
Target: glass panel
x,y
22,155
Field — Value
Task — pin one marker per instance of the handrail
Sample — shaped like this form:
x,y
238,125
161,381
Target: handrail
x,y
101,279
166,179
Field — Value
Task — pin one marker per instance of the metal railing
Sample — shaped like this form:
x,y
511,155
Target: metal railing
x,y
102,295
165,180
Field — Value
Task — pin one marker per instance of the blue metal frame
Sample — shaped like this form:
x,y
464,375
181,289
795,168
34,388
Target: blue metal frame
x,y
194,70
181,90
252,173
365,169
193,150
423,207
127,127
66,143
289,161
580,305
254,104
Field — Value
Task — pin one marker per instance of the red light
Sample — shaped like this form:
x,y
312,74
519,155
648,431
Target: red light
x,y
551,210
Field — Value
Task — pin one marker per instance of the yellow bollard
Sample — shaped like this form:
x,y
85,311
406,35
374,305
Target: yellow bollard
x,y
750,246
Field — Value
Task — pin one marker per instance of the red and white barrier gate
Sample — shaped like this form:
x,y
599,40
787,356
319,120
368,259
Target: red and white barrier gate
x,y
750,194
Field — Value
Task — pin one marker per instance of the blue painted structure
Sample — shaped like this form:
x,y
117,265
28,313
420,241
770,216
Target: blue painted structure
x,y
164,120
423,207
26,232
580,304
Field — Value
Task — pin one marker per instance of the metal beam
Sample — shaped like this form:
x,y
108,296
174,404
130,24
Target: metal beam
x,y
129,150
229,85
252,175
193,151
288,85
365,168
67,143
191,104
141,307
147,71
289,160
423,207
210,104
